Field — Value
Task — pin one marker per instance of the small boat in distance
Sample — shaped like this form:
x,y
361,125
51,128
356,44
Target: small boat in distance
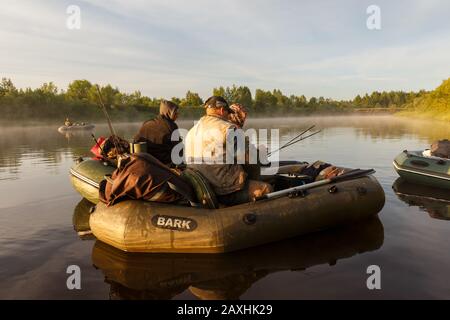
x,y
76,127
415,167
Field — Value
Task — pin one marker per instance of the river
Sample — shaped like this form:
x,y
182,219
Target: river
x,y
408,240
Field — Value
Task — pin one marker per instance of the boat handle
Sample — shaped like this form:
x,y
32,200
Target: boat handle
x,y
250,218
333,189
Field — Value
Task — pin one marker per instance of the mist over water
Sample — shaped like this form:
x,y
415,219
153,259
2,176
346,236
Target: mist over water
x,y
409,241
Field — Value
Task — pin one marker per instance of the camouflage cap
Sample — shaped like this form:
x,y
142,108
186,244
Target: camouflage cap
x,y
218,102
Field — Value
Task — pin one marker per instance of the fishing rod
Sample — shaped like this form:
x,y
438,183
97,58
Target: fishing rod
x,y
302,138
102,105
108,119
356,173
293,142
299,135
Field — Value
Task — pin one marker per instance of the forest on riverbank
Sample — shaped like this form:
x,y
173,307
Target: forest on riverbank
x,y
80,102
433,105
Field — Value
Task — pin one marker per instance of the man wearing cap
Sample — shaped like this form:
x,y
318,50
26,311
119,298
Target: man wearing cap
x,y
208,149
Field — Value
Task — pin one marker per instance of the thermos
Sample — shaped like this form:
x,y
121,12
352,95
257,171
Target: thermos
x,y
138,147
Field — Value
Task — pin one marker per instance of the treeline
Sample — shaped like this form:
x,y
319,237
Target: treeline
x,y
434,104
80,101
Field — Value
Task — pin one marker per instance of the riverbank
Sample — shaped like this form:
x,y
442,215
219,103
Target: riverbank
x,y
80,102
192,113
426,114
433,105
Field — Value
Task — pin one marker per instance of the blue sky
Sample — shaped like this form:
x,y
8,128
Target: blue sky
x,y
163,48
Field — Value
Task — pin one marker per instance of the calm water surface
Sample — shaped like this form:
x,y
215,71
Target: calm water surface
x,y
409,240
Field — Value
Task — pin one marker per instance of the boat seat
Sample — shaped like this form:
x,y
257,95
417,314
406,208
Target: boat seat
x,y
203,190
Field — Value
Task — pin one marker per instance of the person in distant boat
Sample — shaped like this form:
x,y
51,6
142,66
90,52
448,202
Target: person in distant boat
x,y
206,150
157,132
68,123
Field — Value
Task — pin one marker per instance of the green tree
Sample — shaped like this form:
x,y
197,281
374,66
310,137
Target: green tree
x,y
79,90
111,97
264,100
241,94
7,88
282,100
176,100
192,99
312,102
220,92
49,89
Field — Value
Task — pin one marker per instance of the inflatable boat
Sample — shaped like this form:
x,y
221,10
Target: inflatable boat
x,y
76,127
415,167
139,226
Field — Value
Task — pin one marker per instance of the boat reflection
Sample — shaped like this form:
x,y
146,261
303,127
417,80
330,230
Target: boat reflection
x,y
432,200
228,276
80,219
74,135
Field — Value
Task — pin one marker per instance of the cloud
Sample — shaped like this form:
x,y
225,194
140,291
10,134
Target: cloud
x,y
164,48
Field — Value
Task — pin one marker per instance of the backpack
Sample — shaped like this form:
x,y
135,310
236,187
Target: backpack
x,y
441,149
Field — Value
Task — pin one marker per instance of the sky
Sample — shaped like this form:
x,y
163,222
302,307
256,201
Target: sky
x,y
165,47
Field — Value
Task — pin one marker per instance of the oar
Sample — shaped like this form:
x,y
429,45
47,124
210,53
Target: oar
x,y
349,175
282,163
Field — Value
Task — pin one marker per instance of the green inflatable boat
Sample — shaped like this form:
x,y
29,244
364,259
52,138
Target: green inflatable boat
x,y
414,167
139,226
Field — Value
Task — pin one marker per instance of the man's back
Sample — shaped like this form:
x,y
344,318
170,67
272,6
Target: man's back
x,y
205,150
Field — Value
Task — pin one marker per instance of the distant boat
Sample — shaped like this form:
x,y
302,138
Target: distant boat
x,y
76,127
431,171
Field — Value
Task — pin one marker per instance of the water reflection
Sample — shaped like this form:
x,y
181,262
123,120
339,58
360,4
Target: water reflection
x,y
76,135
34,187
228,276
373,127
80,219
432,200
48,147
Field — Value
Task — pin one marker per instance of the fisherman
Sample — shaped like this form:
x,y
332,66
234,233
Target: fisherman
x,y
206,150
239,115
157,132
67,122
